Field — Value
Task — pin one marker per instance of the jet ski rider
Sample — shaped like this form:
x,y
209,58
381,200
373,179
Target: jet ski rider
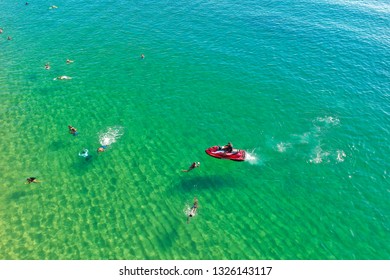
x,y
228,148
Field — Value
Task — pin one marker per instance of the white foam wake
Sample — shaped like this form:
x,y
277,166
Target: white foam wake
x,y
111,135
282,147
340,155
251,157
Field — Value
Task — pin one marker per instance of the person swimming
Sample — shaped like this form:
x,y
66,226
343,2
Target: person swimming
x,y
101,149
72,130
32,180
47,66
85,154
193,210
106,139
68,61
63,78
193,166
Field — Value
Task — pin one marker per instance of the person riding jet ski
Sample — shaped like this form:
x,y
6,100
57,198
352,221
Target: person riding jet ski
x,y
228,148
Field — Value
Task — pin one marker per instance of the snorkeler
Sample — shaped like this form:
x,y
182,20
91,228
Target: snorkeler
x,y
193,166
47,66
193,210
32,180
85,154
72,130
68,61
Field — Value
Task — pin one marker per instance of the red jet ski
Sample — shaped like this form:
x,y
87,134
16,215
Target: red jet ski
x,y
218,152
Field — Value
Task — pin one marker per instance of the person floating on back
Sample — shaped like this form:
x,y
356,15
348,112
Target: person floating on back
x,y
193,210
72,130
193,166
32,180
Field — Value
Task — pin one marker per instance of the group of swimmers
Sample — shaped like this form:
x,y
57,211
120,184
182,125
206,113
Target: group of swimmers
x,y
9,38
84,153
228,148
63,77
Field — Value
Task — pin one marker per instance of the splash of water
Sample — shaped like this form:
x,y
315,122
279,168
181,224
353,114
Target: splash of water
x,y
251,157
282,147
111,135
187,210
340,155
328,120
320,155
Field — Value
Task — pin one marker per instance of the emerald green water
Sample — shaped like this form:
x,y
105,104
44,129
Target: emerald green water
x,y
303,86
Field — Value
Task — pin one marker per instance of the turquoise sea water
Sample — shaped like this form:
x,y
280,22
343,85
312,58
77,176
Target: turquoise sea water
x,y
303,86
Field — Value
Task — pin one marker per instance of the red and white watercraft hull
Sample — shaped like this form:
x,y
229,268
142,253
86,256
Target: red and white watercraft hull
x,y
217,152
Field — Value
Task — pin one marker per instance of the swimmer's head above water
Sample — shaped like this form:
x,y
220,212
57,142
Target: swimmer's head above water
x,y
101,149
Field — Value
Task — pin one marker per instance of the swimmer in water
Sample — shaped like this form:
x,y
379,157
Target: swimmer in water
x,y
193,210
68,61
193,166
63,78
53,7
142,56
47,66
101,149
32,180
72,130
85,154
